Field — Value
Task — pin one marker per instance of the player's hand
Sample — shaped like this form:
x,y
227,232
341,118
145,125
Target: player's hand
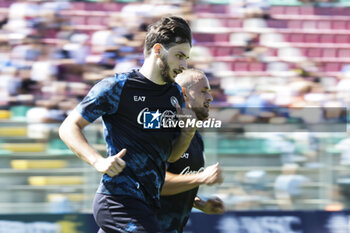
x,y
111,165
185,114
212,175
213,206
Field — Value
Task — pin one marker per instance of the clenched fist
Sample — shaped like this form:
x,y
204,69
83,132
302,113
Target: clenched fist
x,y
212,175
111,165
212,205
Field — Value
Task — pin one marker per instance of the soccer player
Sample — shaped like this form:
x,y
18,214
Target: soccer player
x,y
183,177
132,105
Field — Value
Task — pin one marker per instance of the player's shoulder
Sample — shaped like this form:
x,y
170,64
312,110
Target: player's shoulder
x,y
109,85
178,87
115,80
120,77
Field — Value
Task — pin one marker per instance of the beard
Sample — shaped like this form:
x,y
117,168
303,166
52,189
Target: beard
x,y
165,70
201,113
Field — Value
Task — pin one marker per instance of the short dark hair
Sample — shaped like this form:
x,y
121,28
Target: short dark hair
x,y
167,31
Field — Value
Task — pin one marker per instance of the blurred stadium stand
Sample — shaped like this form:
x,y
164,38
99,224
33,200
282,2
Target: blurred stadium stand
x,y
257,54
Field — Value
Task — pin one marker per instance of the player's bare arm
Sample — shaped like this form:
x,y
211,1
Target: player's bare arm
x,y
175,183
183,141
71,133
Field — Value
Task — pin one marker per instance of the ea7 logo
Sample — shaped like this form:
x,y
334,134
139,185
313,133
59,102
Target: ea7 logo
x,y
185,155
139,98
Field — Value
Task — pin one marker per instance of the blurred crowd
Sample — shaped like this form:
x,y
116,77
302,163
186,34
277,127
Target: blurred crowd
x,y
52,51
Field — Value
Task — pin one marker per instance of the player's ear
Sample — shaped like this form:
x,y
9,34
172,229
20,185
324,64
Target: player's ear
x,y
157,49
184,92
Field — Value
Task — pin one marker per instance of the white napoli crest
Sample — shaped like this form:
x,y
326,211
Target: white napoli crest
x,y
174,101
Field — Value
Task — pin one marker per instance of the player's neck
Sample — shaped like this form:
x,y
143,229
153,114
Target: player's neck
x,y
151,70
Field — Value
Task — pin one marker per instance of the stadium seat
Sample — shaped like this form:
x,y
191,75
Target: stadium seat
x,y
55,180
78,5
256,66
238,51
5,114
323,11
271,52
344,53
233,23
342,25
313,52
295,37
96,20
341,38
17,131
240,66
38,164
331,67
77,20
200,8
309,24
203,37
324,24
93,6
218,6
24,147
277,10
277,23
311,38
307,10
112,6
294,24
5,4
292,10
329,52
324,38
223,52
221,37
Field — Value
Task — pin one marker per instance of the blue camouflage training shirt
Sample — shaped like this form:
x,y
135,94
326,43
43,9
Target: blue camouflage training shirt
x,y
132,109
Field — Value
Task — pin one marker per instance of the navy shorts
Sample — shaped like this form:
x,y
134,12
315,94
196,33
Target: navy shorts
x,y
121,214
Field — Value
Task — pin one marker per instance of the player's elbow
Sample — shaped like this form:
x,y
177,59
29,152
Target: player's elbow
x,y
62,131
65,129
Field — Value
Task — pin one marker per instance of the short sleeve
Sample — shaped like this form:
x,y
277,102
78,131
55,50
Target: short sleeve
x,y
102,99
181,99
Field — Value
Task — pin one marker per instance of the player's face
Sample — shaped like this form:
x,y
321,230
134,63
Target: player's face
x,y
164,69
174,61
199,98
